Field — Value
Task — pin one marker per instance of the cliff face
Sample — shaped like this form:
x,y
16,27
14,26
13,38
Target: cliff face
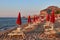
x,y
49,9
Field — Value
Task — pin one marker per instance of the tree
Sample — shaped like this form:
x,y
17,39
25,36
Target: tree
x,y
58,12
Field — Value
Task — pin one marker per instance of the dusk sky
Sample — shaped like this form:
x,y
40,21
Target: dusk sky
x,y
10,8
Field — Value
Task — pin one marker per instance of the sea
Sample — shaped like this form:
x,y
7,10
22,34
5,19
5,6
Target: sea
x,y
9,22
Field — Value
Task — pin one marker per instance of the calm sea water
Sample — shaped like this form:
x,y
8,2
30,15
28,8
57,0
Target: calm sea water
x,y
6,23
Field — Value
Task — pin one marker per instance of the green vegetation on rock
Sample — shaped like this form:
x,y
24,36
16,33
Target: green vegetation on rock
x,y
58,12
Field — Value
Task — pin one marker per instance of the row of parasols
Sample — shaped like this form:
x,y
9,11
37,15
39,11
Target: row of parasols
x,y
49,17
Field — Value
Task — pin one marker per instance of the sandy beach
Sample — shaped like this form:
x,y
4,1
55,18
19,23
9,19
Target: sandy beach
x,y
32,35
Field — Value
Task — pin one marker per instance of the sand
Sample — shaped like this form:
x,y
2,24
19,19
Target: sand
x,y
36,34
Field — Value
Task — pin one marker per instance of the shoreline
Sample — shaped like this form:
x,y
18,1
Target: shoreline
x,y
35,34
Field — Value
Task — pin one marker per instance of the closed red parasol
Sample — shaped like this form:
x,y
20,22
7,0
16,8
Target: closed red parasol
x,y
47,17
34,19
29,19
52,19
19,19
37,18
42,17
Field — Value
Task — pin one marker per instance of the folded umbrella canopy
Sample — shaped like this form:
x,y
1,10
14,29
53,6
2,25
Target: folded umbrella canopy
x,y
47,17
52,19
37,18
34,19
42,18
18,21
29,19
